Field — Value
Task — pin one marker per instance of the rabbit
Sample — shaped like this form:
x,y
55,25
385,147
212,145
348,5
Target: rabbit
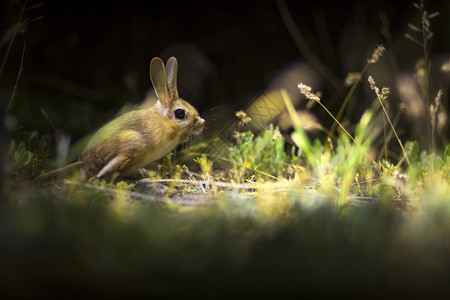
x,y
131,141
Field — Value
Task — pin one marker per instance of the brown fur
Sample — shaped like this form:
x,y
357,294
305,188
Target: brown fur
x,y
134,139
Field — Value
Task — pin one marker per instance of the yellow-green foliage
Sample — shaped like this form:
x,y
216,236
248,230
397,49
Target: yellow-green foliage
x,y
262,156
28,156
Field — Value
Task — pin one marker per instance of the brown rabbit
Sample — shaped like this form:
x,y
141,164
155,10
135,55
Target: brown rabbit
x,y
139,137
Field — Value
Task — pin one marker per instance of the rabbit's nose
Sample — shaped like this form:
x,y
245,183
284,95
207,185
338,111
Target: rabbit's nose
x,y
198,125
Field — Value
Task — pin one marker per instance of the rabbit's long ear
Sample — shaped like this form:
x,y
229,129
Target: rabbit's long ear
x,y
172,70
160,83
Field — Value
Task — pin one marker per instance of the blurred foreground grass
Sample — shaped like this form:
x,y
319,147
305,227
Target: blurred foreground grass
x,y
56,248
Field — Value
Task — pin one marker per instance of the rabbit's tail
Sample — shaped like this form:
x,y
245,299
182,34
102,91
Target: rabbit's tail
x,y
59,173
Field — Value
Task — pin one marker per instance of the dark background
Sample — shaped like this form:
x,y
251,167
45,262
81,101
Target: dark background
x,y
85,59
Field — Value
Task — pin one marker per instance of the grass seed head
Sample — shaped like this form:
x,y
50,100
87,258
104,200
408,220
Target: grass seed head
x,y
377,53
306,91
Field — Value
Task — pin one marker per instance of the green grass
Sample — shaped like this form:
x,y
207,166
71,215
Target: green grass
x,y
279,214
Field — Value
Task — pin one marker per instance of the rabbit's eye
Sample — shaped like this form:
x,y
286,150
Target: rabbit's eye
x,y
180,114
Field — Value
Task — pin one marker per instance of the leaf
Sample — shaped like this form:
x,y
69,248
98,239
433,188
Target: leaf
x,y
267,137
413,39
298,136
279,146
21,147
412,149
245,148
44,143
433,15
447,153
23,157
12,147
415,28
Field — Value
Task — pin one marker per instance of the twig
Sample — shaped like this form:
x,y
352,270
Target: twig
x,y
14,92
382,96
11,41
304,48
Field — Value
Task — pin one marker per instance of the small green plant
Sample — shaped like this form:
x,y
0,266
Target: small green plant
x,y
205,165
28,156
263,156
